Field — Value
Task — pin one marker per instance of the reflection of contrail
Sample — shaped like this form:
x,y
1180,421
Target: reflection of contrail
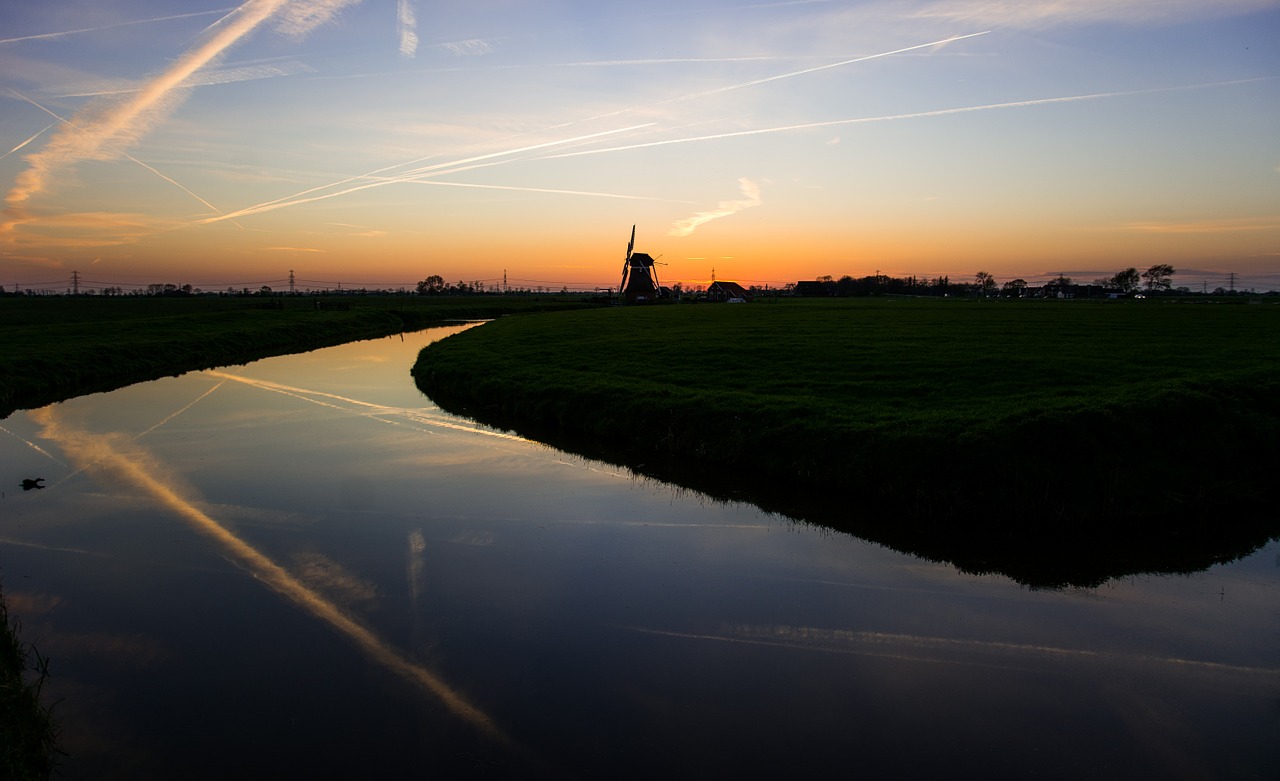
x,y
194,401
897,646
102,452
891,117
64,33
417,416
32,445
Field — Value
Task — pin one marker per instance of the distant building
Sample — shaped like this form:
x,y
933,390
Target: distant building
x,y
727,291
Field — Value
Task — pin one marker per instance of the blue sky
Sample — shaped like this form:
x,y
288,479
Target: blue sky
x,y
379,142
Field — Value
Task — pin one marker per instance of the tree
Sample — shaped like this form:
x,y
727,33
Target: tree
x,y
1158,277
986,283
1127,281
431,286
1014,288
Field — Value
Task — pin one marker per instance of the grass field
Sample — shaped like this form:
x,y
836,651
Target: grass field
x,y
58,347
1057,410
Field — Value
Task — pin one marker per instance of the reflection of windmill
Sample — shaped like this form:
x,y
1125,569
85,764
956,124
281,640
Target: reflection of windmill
x,y
639,276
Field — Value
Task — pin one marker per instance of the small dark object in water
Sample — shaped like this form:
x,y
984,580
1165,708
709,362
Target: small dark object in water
x,y
28,483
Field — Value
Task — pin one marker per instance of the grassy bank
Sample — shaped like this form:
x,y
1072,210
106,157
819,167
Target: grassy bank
x,y
934,410
28,733
60,347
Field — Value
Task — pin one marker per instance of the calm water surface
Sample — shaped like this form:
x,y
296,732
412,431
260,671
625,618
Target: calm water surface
x,y
302,568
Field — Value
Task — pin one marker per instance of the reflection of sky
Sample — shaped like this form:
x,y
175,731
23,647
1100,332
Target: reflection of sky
x,y
591,615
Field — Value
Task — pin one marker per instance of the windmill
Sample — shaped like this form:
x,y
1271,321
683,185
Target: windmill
x,y
639,276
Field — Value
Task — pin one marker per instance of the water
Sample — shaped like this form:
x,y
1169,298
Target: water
x,y
302,568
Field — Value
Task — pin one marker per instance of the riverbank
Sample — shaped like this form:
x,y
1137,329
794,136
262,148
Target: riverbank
x,y
28,732
59,347
934,411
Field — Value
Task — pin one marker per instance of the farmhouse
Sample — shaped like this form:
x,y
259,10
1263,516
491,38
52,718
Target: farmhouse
x,y
727,291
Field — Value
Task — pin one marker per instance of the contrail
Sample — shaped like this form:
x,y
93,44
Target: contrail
x,y
64,33
534,190
128,156
410,176
893,117
29,140
134,467
407,22
105,129
842,63
407,176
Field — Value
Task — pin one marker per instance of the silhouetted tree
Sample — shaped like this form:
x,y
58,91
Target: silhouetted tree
x,y
1014,288
1126,281
985,282
1158,277
432,285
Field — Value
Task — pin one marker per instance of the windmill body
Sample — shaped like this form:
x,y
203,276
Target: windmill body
x,y
639,275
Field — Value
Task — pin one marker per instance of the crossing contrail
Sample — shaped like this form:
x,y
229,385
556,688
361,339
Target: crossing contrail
x,y
410,176
64,120
892,117
103,130
29,140
418,174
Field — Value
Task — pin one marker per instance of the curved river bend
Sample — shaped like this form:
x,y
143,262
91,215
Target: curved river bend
x,y
302,568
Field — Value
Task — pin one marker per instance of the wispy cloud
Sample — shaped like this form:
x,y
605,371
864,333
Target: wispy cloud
x,y
407,24
472,47
104,130
298,19
751,197
240,73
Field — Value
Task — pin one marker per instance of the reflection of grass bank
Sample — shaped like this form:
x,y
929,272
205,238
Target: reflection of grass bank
x,y
59,347
28,734
1051,411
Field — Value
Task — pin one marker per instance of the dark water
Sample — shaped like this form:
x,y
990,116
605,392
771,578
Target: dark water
x,y
302,568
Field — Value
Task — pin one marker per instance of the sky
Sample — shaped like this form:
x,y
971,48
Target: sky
x,y
374,143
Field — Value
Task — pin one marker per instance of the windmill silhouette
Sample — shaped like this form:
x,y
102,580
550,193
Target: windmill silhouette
x,y
639,275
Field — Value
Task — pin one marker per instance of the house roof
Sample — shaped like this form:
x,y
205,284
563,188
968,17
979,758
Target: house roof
x,y
730,288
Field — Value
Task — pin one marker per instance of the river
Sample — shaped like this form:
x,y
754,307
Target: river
x,y
302,568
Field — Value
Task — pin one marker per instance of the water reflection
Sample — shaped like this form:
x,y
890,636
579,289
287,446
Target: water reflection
x,y
315,565
1035,551
107,458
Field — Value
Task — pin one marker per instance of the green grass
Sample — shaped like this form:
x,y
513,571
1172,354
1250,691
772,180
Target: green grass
x,y
59,347
936,408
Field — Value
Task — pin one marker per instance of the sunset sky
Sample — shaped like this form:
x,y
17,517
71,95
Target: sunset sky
x,y
374,143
